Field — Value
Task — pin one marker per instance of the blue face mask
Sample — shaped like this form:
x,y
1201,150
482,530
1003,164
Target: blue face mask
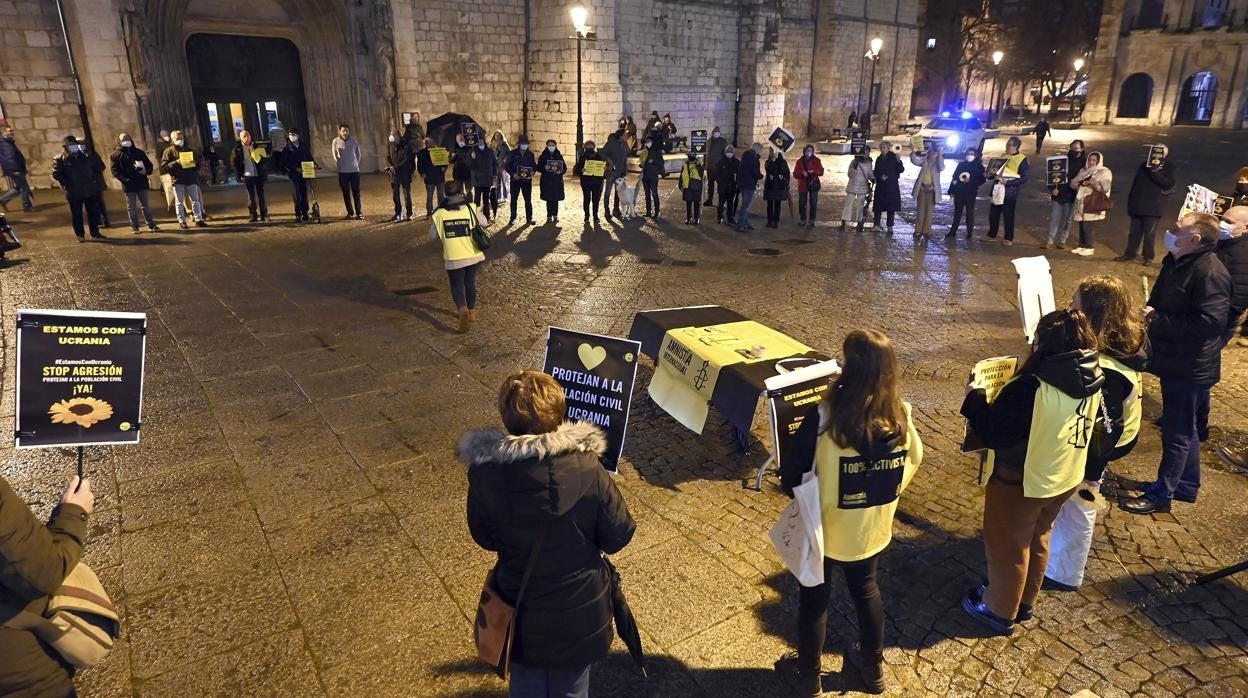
x,y
1171,242
1227,229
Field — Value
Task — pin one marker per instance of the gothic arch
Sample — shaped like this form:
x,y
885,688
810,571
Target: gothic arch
x,y
1135,96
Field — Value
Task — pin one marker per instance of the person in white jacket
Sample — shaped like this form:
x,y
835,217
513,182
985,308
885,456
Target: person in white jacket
x,y
927,189
857,189
1094,177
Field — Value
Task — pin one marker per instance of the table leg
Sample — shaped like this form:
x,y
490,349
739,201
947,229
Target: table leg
x,y
762,470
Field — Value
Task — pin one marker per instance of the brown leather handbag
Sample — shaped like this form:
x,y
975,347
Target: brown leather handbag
x,y
495,628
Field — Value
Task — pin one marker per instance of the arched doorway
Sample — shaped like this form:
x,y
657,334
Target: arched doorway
x,y
1196,99
1135,96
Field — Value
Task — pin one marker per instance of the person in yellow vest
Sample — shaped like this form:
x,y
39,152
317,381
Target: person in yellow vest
x,y
1011,176
866,454
691,177
1118,323
1039,428
452,226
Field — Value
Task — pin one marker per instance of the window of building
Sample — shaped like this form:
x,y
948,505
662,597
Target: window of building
x,y
1135,96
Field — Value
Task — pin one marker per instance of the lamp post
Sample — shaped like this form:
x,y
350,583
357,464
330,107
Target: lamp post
x,y
992,96
1075,86
580,16
874,54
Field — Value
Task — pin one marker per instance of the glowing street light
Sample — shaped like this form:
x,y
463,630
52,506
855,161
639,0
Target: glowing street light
x,y
1078,64
580,18
994,103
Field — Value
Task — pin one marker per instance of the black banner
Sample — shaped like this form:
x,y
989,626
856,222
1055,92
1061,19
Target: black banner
x,y
793,405
1059,170
697,142
865,483
472,134
597,374
79,377
858,143
1156,156
782,138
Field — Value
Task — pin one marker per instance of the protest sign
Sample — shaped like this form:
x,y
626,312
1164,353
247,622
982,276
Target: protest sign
x,y
1058,169
555,167
697,141
858,143
1198,200
1156,156
407,118
439,157
307,169
186,158
917,142
597,374
1221,204
258,154
1035,291
782,138
594,168
793,405
79,377
472,133
524,172
989,375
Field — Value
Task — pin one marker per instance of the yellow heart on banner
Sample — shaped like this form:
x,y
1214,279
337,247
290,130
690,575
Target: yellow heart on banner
x,y
591,356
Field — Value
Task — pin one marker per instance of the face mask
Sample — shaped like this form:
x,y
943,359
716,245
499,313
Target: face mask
x,y
970,158
550,148
127,144
1227,230
1171,242
179,142
480,146
647,144
75,149
715,134
810,153
524,147
294,139
393,139
1241,188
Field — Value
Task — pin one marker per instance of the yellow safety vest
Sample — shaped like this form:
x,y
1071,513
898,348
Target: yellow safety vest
x,y
690,172
1012,165
455,230
1133,408
858,499
1057,450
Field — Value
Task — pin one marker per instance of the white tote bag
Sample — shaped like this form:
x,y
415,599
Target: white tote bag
x,y
998,194
1071,540
798,535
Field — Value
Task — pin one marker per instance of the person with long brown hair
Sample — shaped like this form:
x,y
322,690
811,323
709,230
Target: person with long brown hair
x,y
1116,318
866,454
1039,428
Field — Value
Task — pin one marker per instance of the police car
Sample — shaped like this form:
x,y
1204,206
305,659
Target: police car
x,y
957,131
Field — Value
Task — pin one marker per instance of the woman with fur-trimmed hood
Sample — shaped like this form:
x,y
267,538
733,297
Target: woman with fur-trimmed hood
x,y
541,479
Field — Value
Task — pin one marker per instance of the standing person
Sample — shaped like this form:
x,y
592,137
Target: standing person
x,y
927,190
691,178
1117,320
1095,177
97,163
35,559
131,166
553,168
749,173
617,167
1233,253
1187,313
502,180
1042,132
968,177
513,476
163,143
887,171
434,177
714,153
852,122
1011,176
652,167
249,165
1062,198
866,454
807,172
630,136
74,171
653,123
400,164
856,189
725,176
484,171
1038,427
346,152
521,166
669,133
461,164
185,180
776,185
214,164
1146,205
1240,195
591,185
13,166
291,160
414,132
452,226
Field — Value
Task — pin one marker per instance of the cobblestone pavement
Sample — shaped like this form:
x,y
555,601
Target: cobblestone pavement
x,y
293,521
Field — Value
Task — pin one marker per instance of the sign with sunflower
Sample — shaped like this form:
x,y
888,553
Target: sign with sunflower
x,y
79,377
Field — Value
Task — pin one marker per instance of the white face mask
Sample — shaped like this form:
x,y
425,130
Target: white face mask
x,y
179,142
294,139
480,146
1171,242
127,144
970,158
393,139
75,148
1228,230
524,147
550,148
715,134
810,153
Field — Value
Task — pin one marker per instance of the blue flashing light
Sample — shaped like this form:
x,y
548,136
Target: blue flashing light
x,y
944,114
967,115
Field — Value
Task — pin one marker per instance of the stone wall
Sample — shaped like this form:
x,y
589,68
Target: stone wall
x,y
797,50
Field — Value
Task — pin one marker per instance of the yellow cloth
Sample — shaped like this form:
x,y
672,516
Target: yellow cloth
x,y
455,231
691,358
1133,410
439,157
1057,450
308,169
858,500
257,154
689,173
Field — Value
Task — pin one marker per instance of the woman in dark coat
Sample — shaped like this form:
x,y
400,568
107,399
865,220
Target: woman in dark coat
x,y
553,168
541,481
888,169
775,186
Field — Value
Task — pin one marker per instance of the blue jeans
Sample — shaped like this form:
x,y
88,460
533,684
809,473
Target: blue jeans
x,y
1184,414
464,286
1059,220
542,683
20,186
743,213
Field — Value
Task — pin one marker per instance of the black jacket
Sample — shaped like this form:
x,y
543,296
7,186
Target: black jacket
x,y
617,159
749,171
653,165
725,175
1233,254
715,151
401,162
551,187
77,175
12,161
1005,424
521,158
518,486
169,162
888,169
122,165
1146,198
1190,302
461,164
431,173
484,167
292,157
776,185
238,164
974,179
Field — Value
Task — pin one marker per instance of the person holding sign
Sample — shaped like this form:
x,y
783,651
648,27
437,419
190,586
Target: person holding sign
x,y
1240,196
434,174
887,171
75,173
1094,179
1146,205
131,166
248,162
296,160
867,452
553,168
400,164
521,166
592,168
453,226
1012,174
691,177
1062,198
182,163
652,168
968,177
1039,428
776,186
554,543
807,172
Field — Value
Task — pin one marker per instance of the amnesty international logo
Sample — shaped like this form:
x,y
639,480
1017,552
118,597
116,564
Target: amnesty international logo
x,y
699,381
1081,429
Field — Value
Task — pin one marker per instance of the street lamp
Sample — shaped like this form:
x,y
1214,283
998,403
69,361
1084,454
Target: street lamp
x,y
874,54
580,16
992,96
1078,65
1075,88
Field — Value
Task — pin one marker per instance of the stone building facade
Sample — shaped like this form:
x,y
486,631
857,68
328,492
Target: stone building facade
x,y
745,65
1167,62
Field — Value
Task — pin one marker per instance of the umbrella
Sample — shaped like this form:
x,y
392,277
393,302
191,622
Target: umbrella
x,y
443,129
625,623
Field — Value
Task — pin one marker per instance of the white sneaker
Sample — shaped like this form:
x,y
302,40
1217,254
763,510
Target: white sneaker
x,y
1077,250
1087,252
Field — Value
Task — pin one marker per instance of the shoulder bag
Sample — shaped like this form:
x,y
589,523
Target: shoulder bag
x,y
1097,202
480,236
495,628
80,622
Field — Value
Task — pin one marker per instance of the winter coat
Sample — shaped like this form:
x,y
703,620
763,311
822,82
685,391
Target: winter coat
x,y
414,135
928,162
238,162
292,158
12,161
750,171
461,164
1233,254
888,169
806,169
519,486
431,173
484,168
860,176
652,163
617,159
401,161
346,155
34,560
77,175
520,158
1147,196
1239,197
97,164
1042,128
725,176
579,169
715,151
124,169
776,185
181,175
1190,301
974,179
1074,164
1099,178
552,184
501,153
